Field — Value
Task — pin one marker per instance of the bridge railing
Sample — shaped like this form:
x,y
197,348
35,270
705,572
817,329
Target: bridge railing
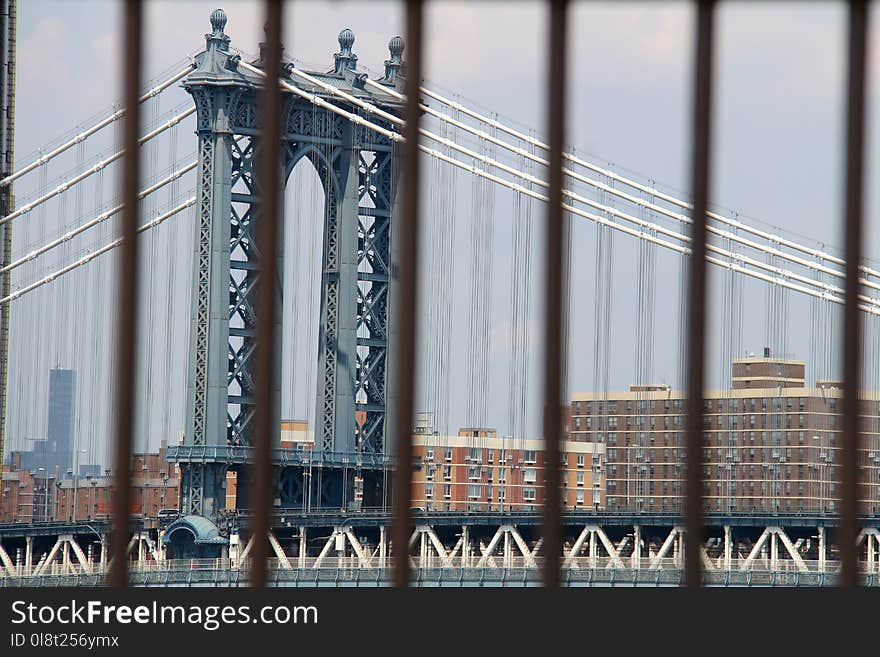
x,y
350,564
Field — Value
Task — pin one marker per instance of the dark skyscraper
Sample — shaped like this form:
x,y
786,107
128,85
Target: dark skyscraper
x,y
62,397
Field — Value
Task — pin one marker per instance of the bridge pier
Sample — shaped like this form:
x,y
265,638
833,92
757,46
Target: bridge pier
x,y
727,547
636,558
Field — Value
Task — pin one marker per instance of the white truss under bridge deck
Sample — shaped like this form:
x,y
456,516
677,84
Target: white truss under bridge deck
x,y
593,554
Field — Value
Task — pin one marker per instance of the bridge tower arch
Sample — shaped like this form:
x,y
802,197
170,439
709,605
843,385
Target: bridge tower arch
x,y
358,169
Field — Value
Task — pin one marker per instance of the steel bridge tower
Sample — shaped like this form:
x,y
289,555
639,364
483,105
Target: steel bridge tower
x,y
358,169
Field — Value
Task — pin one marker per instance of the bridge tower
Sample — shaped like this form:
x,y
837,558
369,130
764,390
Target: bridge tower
x,y
358,169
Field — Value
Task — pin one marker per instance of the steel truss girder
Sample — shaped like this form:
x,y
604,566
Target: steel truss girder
x,y
65,543
6,562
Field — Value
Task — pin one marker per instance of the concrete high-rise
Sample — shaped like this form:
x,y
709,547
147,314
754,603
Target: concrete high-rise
x,y
59,433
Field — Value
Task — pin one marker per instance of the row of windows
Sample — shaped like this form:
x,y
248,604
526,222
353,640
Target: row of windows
x,y
736,454
677,405
475,492
475,454
529,494
732,421
529,457
730,503
734,439
475,472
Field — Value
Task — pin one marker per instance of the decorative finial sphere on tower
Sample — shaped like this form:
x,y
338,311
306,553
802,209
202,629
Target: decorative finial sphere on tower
x,y
395,47
346,40
218,20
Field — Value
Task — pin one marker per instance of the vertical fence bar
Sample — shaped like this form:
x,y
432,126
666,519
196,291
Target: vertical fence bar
x,y
265,426
695,344
408,277
855,128
554,293
126,296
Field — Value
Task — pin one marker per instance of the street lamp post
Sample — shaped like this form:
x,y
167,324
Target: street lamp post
x,y
45,490
76,479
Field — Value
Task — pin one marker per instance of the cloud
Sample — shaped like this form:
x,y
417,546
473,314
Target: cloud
x,y
40,70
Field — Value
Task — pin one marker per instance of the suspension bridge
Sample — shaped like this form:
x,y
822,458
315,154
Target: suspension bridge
x,y
340,162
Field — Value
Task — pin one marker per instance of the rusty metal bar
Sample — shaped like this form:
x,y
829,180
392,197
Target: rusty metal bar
x,y
268,305
695,344
554,294
126,302
852,338
405,361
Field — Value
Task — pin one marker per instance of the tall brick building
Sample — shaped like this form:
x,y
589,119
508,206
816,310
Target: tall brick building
x,y
771,443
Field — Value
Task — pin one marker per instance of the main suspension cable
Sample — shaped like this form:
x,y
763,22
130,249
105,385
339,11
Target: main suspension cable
x,y
88,132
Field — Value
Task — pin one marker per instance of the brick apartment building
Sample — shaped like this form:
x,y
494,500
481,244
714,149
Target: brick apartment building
x,y
28,497
478,471
771,443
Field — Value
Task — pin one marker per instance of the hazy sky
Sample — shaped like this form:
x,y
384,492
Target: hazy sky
x,y
778,127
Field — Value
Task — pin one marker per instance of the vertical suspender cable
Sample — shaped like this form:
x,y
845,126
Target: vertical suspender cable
x,y
858,33
267,294
408,278
554,293
127,296
696,342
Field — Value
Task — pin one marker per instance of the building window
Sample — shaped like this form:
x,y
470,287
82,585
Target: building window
x,y
429,453
474,472
447,491
448,453
530,456
447,472
529,494
501,495
580,478
430,474
580,496
580,460
530,475
475,454
502,475
474,492
429,491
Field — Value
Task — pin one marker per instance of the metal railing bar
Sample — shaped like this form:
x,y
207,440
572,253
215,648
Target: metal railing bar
x,y
695,343
855,129
267,294
127,295
407,275
555,293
